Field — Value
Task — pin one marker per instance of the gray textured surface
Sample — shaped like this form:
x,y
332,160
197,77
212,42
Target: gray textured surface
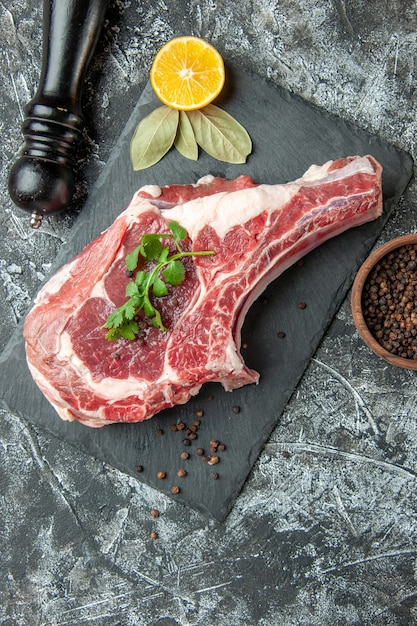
x,y
324,531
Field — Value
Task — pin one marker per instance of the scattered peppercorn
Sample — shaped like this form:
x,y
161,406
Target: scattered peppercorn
x,y
301,305
153,535
191,434
210,397
281,334
389,302
286,454
154,512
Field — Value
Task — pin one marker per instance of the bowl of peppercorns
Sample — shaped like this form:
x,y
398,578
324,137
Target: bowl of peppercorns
x,y
384,301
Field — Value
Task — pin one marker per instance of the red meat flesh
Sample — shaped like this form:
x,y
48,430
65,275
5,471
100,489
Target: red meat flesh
x,y
256,232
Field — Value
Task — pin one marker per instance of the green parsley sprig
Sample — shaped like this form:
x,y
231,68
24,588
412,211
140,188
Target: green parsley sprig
x,y
168,270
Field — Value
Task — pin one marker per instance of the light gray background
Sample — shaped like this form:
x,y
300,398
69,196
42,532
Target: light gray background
x,y
324,532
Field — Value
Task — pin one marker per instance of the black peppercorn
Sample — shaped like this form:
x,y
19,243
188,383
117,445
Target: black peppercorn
x,y
389,301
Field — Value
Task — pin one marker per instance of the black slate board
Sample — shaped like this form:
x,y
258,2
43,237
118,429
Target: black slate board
x,y
289,135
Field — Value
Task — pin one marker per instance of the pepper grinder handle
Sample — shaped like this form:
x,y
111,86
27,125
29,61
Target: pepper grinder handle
x,y
41,181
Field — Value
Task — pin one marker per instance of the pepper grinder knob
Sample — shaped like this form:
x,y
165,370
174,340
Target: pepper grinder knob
x,y
41,181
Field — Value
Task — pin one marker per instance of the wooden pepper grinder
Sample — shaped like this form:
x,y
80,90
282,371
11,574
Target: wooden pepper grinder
x,y
42,180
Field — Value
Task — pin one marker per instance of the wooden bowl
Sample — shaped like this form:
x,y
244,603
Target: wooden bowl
x,y
356,301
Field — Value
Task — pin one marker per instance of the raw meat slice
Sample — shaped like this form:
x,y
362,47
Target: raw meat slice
x,y
256,231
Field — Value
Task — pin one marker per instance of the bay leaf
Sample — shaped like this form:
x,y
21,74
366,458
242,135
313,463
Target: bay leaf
x,y
185,141
220,135
153,137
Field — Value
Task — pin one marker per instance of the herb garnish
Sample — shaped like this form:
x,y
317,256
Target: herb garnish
x,y
168,270
211,128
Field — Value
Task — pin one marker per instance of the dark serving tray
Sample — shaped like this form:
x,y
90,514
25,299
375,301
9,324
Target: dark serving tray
x,y
289,135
